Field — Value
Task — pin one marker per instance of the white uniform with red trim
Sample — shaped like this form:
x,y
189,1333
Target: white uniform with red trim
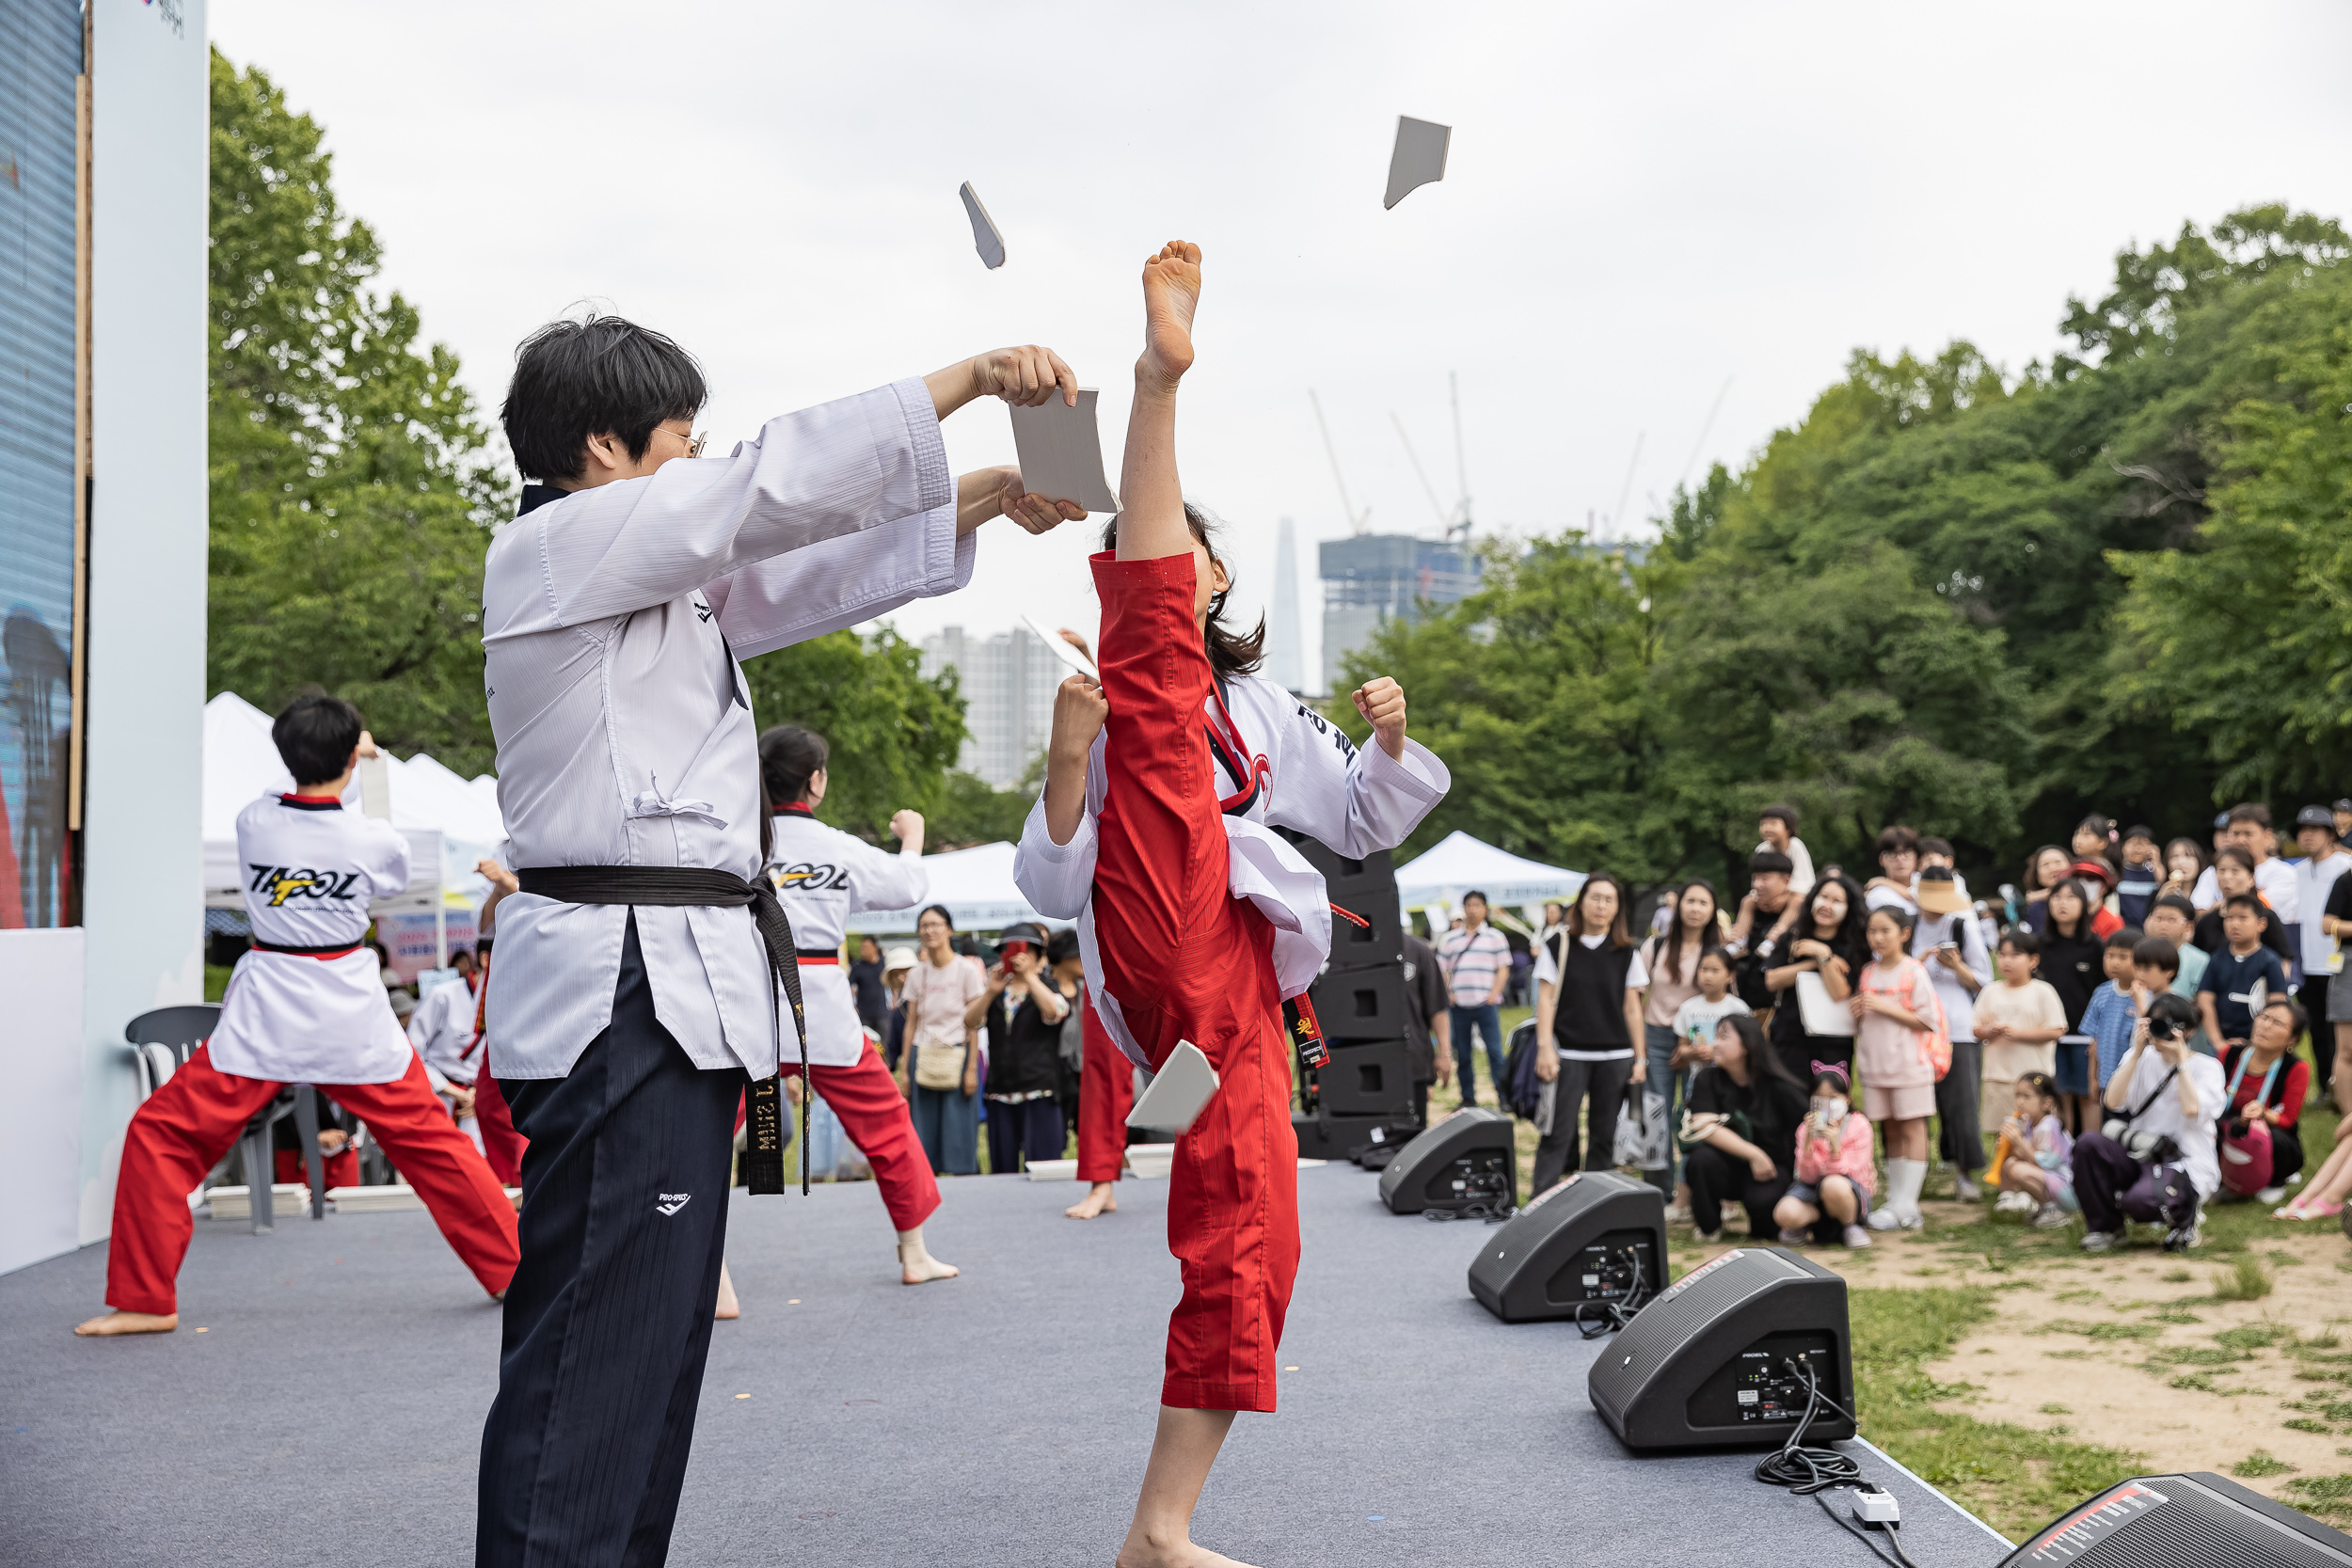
x,y
1304,774
824,876
441,1029
310,869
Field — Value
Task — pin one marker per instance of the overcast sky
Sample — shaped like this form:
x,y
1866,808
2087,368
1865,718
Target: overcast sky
x,y
1641,204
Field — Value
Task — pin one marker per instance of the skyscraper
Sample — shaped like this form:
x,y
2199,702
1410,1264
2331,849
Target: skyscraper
x,y
1008,681
1375,577
1285,654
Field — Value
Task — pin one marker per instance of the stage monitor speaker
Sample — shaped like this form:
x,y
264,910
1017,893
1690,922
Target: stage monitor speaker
x,y
2182,1521
1597,1238
1365,1005
1714,1360
1467,1158
1366,1079
1325,1136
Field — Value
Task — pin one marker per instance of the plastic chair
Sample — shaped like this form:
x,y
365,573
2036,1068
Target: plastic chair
x,y
165,1039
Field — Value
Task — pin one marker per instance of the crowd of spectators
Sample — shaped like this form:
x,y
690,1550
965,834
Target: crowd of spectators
x,y
2126,1024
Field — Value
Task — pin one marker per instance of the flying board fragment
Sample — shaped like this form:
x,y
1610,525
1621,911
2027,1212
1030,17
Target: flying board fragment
x,y
990,243
1419,159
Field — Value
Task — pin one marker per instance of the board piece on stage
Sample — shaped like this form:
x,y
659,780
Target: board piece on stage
x,y
985,237
1061,452
1597,1240
2183,1521
1179,1091
1726,1355
1465,1161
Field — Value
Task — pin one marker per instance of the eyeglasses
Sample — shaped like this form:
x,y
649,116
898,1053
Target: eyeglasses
x,y
695,443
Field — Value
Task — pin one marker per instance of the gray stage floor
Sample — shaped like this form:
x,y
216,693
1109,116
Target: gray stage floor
x,y
331,1412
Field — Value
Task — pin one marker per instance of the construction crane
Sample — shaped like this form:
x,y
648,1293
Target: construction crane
x,y
1455,519
1355,520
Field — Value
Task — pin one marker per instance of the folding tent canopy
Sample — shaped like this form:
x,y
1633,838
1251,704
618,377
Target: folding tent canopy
x,y
1460,863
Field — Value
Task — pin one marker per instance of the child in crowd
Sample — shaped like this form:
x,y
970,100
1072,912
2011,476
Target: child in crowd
x,y
1694,1032
2174,919
2019,1021
2036,1155
2241,976
2234,872
2094,839
1897,1019
2109,1020
1834,1169
2143,876
1898,866
1776,826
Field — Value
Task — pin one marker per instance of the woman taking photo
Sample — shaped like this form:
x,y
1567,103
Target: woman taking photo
x,y
1740,1137
1672,960
1826,943
1588,1014
942,1069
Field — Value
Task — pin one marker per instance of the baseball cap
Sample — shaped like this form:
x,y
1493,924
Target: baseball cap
x,y
2315,816
2343,805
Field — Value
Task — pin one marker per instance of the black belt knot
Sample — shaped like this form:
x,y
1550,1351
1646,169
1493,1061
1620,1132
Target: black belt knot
x,y
703,887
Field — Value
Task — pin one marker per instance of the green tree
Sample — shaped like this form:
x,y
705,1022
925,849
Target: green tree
x,y
353,486
894,731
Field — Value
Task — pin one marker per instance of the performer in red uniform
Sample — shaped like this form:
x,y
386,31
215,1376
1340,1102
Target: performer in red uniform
x,y
306,1005
1106,1091
1199,920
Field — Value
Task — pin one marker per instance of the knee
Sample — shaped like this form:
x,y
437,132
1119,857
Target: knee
x,y
1790,1214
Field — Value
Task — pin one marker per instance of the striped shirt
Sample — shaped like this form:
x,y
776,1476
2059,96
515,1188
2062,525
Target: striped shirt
x,y
1471,960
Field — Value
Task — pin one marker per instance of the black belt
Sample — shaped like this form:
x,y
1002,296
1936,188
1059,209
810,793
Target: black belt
x,y
337,951
692,887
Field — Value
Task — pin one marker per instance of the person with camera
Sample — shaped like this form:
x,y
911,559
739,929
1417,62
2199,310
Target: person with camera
x,y
2155,1158
1020,1009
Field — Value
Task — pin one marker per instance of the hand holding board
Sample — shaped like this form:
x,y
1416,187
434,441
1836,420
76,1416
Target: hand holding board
x,y
1062,454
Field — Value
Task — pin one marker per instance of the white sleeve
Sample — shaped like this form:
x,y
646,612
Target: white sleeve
x,y
839,582
1800,860
882,881
388,866
1638,977
2207,892
833,469
1055,878
1547,972
1356,801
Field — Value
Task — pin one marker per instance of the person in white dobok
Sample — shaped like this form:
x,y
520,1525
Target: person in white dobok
x,y
442,1030
636,991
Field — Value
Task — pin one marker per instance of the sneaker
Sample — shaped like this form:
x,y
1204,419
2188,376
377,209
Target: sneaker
x,y
1890,1219
2015,1203
2181,1237
1857,1236
1794,1238
1678,1215
2052,1217
1966,1190
1706,1238
2102,1241
2270,1194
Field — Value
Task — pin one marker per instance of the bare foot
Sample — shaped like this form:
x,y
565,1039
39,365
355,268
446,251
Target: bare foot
x,y
917,1266
1140,1552
1101,1199
729,1308
106,1326
1172,290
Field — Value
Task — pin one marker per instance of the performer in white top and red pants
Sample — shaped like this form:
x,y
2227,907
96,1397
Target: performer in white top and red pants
x,y
306,1005
1199,921
637,969
824,876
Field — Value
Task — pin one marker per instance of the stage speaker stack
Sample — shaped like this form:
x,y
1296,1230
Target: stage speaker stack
x,y
2182,1521
1723,1356
1595,1240
1467,1160
1360,1104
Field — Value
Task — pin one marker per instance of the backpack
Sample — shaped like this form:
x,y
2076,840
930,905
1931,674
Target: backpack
x,y
1937,1043
2247,1156
1521,1091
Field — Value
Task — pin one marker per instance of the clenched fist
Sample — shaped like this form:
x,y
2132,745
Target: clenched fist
x,y
1381,701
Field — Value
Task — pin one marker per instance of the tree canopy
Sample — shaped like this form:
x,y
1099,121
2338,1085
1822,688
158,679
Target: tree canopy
x,y
1978,602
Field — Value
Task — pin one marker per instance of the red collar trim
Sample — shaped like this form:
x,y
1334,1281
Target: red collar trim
x,y
312,802
795,808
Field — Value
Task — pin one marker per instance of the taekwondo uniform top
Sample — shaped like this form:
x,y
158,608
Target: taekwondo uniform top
x,y
612,619
824,876
1278,764
319,1016
442,1031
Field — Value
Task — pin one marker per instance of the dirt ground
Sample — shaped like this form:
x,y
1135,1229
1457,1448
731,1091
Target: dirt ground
x,y
2121,1349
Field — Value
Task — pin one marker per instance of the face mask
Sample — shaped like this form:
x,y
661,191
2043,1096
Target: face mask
x,y
1831,1110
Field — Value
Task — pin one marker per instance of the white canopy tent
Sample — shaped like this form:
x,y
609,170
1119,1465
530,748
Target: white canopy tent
x,y
1459,864
975,884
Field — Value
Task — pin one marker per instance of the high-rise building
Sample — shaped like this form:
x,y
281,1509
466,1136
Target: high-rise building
x,y
1285,652
1375,577
1007,680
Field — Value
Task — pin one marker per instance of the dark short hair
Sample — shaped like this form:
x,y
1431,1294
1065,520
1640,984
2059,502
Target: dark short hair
x,y
1894,840
1930,845
1231,651
1785,815
2140,830
1062,946
315,737
1475,893
2234,855
2157,953
2296,1013
789,756
1905,920
1720,957
602,376
2044,1085
2178,903
2251,811
1770,860
2174,1010
941,911
2023,939
2129,937
2242,900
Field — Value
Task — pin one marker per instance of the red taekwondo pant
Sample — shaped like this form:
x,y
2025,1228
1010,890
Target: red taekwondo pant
x,y
1187,960
501,1144
188,1124
1107,1092
874,1115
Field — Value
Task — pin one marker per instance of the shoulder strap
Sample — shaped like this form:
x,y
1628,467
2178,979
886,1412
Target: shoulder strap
x,y
2154,1094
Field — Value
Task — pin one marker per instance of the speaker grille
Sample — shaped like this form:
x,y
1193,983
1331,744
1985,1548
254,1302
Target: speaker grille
x,y
2192,1528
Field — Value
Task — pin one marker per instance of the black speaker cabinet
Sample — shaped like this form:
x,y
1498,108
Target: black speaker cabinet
x,y
1374,1079
1325,1136
1364,888
1712,1360
1361,1004
1596,1237
1467,1158
2182,1521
